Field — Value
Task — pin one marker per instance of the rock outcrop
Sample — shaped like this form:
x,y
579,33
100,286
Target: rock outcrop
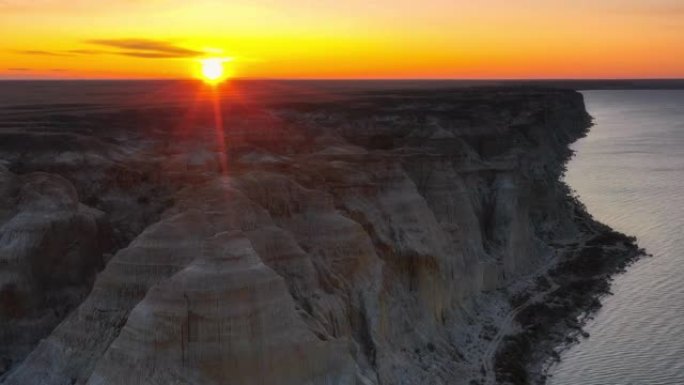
x,y
51,246
350,242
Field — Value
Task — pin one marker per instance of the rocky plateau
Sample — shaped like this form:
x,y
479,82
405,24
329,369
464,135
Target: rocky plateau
x,y
289,235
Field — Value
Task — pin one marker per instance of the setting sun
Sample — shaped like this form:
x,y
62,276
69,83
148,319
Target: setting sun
x,y
213,70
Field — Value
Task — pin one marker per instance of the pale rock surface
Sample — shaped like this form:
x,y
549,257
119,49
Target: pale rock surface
x,y
350,242
51,246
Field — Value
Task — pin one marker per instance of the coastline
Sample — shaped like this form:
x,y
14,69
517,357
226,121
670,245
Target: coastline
x,y
397,225
582,277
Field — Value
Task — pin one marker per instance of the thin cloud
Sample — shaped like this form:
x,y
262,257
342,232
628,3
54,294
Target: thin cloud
x,y
41,52
87,52
140,48
152,55
19,69
146,48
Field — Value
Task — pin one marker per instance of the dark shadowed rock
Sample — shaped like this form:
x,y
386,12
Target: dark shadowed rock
x,y
351,241
50,249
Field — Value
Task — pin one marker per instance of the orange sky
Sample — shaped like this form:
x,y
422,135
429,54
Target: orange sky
x,y
344,39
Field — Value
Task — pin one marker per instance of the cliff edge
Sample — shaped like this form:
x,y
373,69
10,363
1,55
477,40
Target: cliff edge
x,y
390,237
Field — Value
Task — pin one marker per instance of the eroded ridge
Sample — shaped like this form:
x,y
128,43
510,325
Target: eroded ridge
x,y
365,238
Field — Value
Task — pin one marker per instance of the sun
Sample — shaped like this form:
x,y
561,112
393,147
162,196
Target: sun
x,y
213,70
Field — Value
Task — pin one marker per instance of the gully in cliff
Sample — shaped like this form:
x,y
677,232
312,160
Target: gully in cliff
x,y
379,236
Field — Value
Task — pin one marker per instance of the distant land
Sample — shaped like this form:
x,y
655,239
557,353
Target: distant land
x,y
574,84
376,84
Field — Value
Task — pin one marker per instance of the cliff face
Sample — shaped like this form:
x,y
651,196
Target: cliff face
x,y
50,249
351,241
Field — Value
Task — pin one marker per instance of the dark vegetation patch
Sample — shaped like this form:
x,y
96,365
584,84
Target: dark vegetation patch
x,y
583,278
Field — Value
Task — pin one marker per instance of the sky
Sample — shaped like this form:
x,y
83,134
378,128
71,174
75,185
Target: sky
x,y
414,39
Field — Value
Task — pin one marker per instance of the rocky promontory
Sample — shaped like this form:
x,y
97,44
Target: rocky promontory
x,y
308,236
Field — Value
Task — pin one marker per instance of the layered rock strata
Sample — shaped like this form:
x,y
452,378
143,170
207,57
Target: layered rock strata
x,y
352,241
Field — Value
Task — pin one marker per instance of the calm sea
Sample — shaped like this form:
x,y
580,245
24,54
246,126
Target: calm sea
x,y
629,171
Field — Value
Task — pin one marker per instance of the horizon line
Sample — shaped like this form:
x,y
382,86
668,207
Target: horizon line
x,y
359,79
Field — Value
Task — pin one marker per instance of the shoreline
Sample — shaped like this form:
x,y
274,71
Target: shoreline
x,y
548,327
398,224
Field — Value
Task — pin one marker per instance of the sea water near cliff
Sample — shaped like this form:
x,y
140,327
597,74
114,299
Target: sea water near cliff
x,y
629,171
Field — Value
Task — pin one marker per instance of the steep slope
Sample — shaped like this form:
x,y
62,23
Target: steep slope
x,y
351,242
51,246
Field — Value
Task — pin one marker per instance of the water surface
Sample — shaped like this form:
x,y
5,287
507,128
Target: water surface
x,y
629,171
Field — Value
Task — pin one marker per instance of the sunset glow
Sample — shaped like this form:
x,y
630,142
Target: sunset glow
x,y
213,70
352,39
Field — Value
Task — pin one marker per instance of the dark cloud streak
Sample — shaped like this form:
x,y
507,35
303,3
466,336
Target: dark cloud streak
x,y
41,52
87,52
146,48
140,48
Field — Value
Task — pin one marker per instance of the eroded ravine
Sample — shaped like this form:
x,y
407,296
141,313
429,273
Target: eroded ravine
x,y
347,244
